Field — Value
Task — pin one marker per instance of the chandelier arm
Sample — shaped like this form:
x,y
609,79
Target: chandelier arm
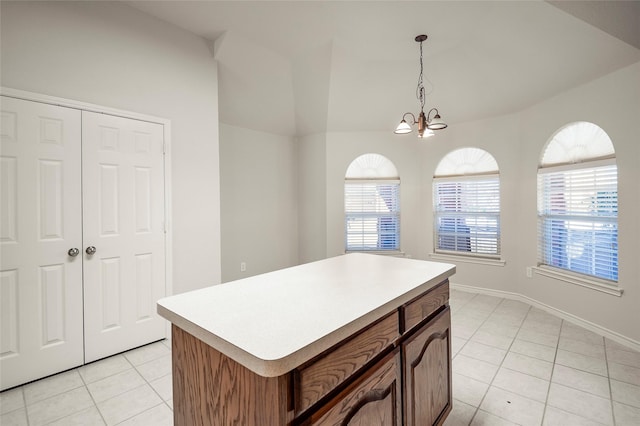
x,y
413,117
429,113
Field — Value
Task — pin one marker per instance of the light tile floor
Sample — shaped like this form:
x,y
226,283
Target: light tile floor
x,y
513,365
133,388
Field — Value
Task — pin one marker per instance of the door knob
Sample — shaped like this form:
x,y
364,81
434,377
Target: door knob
x,y
73,252
90,250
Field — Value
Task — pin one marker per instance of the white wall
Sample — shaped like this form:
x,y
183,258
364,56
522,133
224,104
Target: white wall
x,y
110,54
259,202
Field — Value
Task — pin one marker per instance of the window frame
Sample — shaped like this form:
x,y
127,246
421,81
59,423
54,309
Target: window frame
x,y
395,214
577,274
489,258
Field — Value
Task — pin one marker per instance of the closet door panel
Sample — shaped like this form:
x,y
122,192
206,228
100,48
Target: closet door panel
x,y
123,187
40,202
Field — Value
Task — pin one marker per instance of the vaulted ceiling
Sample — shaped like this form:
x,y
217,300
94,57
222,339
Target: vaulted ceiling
x,y
300,67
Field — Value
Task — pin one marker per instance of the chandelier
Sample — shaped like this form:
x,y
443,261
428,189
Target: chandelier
x,y
426,123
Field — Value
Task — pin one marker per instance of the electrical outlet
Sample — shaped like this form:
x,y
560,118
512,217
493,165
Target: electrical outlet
x,y
243,266
529,272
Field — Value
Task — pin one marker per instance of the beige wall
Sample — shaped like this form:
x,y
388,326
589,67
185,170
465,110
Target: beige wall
x,y
312,197
259,208
516,141
613,103
342,149
113,55
499,137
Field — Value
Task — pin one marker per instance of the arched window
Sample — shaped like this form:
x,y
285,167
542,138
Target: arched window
x,y
578,202
466,200
372,204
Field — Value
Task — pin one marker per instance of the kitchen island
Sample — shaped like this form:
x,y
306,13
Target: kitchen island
x,y
355,339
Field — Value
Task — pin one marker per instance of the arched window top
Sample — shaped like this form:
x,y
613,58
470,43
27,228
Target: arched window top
x,y
466,161
372,166
575,143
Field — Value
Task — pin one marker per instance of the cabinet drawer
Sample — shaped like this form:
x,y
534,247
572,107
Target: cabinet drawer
x,y
332,368
425,305
374,398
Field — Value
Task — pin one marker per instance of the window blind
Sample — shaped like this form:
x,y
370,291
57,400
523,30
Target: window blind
x,y
372,215
467,215
578,220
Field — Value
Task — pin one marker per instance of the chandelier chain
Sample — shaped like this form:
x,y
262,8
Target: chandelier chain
x,y
420,89
426,122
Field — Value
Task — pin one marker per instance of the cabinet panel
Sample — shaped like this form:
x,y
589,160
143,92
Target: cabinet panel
x,y
373,400
427,372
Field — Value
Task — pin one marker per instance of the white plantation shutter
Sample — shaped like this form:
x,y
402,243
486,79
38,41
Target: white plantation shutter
x,y
578,218
575,143
467,215
372,215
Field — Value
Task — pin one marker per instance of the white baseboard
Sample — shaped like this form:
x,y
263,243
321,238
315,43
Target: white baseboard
x,y
605,332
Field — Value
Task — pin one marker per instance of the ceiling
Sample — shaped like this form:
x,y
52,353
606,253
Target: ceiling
x,y
301,67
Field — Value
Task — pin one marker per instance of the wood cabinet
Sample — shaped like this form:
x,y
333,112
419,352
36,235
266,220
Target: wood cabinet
x,y
395,371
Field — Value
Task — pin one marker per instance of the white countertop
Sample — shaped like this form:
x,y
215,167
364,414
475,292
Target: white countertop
x,y
274,322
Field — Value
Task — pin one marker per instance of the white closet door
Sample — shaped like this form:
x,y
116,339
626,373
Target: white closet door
x,y
40,221
123,218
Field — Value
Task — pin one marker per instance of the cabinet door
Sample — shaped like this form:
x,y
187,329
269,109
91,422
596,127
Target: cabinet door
x,y
123,218
373,400
40,221
427,372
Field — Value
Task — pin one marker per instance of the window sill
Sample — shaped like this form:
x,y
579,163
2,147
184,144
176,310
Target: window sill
x,y
468,259
395,253
592,283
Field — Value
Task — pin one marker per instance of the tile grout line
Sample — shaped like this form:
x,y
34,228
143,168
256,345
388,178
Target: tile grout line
x,y
502,362
606,364
553,369
554,363
83,385
572,387
460,350
499,366
24,400
91,395
146,382
142,412
149,383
